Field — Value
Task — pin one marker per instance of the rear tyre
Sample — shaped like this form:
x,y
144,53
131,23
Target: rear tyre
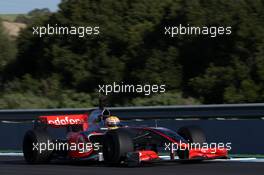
x,y
116,144
192,134
32,140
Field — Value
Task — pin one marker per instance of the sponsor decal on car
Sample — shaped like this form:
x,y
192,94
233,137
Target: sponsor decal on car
x,y
65,119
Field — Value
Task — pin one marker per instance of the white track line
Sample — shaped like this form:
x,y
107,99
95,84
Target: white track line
x,y
224,160
11,154
239,160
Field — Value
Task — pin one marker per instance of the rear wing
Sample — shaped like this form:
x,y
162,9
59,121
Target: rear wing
x,y
65,120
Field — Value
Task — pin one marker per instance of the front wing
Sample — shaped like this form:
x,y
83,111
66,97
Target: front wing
x,y
135,158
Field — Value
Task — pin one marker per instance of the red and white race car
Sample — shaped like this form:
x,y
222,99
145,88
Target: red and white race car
x,y
88,138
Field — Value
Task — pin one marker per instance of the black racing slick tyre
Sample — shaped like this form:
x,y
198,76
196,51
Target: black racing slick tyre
x,y
31,147
116,144
192,134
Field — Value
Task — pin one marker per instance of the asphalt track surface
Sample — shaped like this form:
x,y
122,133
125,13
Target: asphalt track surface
x,y
16,166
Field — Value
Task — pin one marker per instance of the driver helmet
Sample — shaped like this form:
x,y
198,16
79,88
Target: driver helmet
x,y
112,122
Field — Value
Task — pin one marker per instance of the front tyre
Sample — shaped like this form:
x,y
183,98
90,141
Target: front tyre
x,y
116,144
192,134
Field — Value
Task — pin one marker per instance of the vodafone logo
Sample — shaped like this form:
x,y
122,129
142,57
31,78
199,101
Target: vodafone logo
x,y
65,121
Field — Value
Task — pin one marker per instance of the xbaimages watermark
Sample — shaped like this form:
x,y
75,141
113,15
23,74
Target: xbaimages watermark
x,y
212,31
60,146
80,31
213,147
146,89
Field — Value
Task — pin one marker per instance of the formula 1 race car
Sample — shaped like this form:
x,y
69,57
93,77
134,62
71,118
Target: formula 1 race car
x,y
87,139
